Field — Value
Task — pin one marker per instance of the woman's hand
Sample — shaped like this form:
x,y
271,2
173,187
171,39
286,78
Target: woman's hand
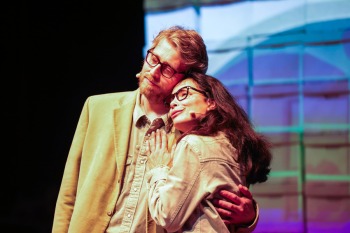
x,y
157,147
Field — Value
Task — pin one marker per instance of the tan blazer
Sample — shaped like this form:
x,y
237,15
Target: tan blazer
x,y
92,177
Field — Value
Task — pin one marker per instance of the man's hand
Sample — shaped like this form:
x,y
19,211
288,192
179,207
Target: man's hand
x,y
234,209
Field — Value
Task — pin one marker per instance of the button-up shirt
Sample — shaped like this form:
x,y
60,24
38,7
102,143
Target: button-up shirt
x,y
132,208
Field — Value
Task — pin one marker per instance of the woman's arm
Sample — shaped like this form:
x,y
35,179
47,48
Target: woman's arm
x,y
173,193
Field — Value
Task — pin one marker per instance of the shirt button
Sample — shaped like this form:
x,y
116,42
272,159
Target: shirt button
x,y
142,161
135,189
129,215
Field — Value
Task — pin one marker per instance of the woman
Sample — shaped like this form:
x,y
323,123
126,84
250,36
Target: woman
x,y
218,148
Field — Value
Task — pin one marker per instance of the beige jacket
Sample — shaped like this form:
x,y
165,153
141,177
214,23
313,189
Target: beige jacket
x,y
92,177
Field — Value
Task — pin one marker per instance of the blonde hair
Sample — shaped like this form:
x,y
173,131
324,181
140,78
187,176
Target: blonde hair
x,y
189,43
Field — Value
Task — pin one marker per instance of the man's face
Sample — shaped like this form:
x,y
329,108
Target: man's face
x,y
153,81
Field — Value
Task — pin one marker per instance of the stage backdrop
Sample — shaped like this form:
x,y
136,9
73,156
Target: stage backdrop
x,y
288,64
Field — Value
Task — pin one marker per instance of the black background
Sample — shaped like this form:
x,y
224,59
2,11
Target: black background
x,y
55,55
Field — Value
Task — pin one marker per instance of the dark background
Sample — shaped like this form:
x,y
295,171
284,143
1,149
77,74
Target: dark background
x,y
55,55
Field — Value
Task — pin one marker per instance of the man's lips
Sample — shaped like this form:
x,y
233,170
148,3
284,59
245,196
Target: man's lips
x,y
150,82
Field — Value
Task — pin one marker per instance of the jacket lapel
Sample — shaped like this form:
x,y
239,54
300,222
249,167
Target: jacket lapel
x,y
122,129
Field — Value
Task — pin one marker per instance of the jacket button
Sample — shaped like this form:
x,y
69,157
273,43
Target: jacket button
x,y
109,213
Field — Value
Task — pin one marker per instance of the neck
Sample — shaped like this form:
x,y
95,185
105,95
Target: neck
x,y
153,109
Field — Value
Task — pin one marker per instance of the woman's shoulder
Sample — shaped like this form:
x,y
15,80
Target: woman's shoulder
x,y
211,147
205,144
193,138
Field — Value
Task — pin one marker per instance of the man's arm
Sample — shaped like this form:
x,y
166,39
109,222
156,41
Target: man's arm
x,y
239,211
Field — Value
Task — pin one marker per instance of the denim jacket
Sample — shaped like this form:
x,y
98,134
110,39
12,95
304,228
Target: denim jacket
x,y
180,197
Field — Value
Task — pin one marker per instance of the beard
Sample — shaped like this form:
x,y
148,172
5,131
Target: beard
x,y
155,95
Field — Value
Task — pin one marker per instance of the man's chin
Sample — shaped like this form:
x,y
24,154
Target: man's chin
x,y
153,96
146,91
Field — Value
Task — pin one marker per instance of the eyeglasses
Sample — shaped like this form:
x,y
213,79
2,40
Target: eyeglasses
x,y
181,94
166,70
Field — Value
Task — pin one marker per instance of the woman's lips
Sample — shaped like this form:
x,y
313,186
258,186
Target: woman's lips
x,y
175,113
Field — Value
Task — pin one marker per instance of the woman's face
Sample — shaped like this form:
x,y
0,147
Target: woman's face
x,y
188,103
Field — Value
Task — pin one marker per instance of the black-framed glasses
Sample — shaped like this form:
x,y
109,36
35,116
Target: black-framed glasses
x,y
181,94
166,70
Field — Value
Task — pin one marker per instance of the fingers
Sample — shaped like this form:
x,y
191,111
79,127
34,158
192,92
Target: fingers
x,y
152,142
230,196
147,147
226,204
172,152
245,191
225,214
161,141
163,136
235,209
158,140
159,155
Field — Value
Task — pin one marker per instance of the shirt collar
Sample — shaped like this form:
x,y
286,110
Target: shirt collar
x,y
141,119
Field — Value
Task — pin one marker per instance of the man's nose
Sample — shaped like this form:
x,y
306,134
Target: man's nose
x,y
156,70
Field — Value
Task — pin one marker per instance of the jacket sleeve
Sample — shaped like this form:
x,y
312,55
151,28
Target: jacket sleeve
x,y
172,193
68,190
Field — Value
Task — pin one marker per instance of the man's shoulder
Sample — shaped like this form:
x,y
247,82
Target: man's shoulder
x,y
113,95
103,102
113,98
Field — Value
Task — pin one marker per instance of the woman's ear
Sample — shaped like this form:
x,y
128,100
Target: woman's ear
x,y
211,105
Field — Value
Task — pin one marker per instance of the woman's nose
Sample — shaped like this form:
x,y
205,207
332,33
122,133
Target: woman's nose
x,y
173,103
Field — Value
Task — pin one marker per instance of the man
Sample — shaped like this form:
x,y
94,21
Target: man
x,y
103,187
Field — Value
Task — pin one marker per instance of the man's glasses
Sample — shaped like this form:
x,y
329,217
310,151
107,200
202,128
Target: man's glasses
x,y
181,94
166,70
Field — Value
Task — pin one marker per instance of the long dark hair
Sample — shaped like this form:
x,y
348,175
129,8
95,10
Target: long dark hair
x,y
229,117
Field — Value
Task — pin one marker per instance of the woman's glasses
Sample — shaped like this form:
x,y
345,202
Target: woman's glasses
x,y
181,94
